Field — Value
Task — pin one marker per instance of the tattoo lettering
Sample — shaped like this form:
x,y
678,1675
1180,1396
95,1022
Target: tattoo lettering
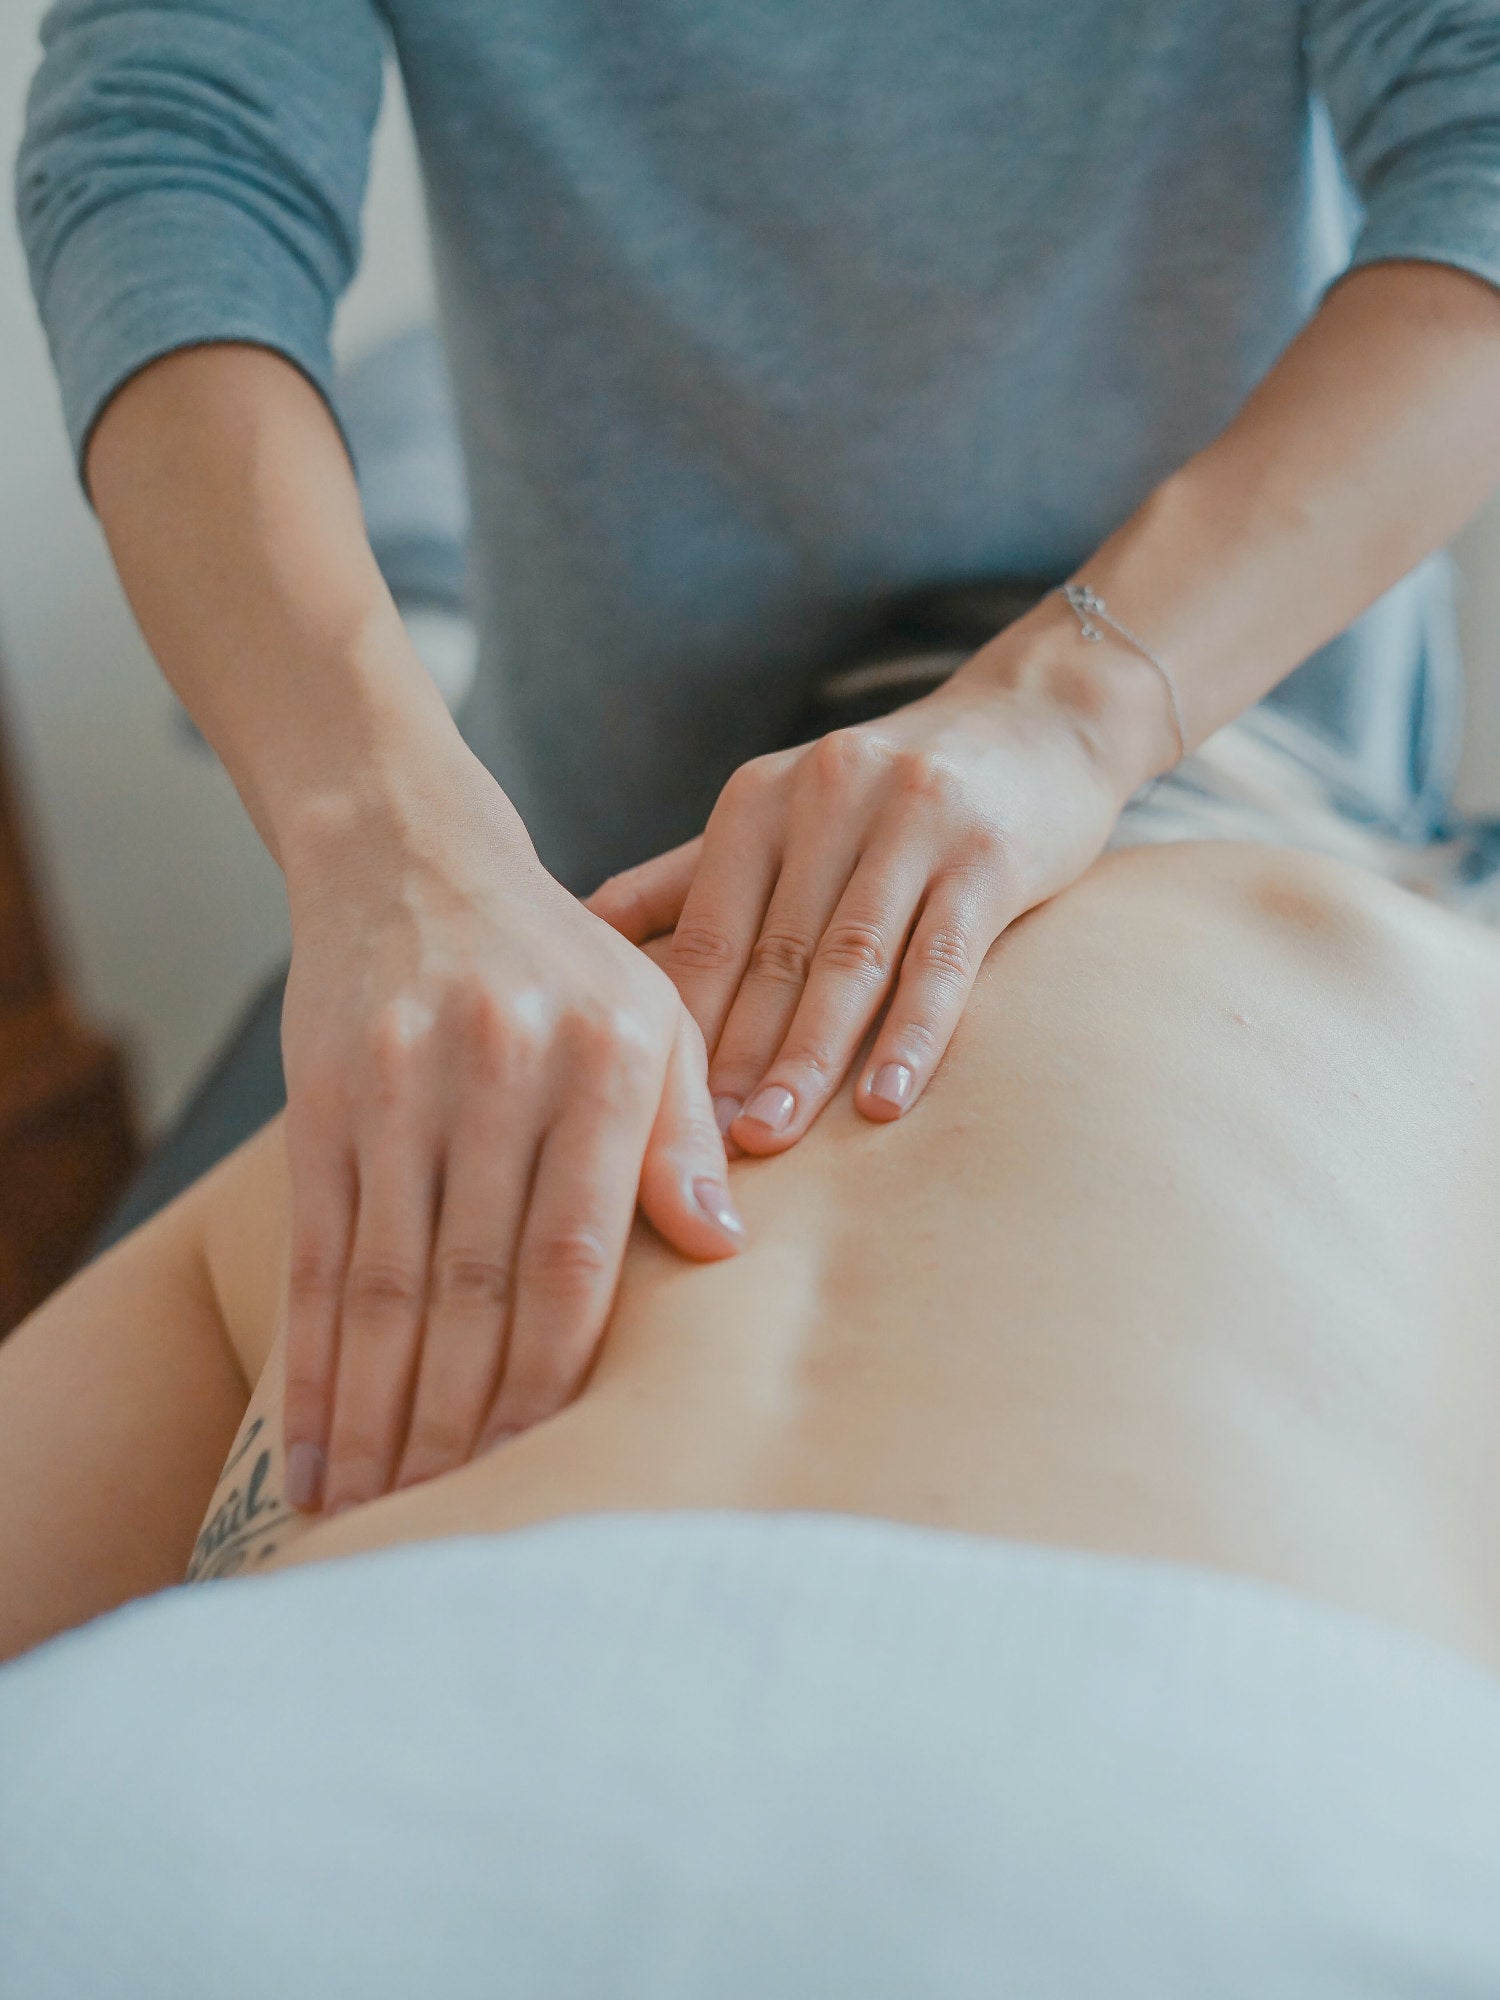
x,y
241,1529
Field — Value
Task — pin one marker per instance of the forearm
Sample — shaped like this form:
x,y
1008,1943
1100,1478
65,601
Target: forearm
x,y
234,520
1369,443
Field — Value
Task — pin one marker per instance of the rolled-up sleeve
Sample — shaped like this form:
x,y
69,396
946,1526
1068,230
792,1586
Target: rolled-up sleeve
x,y
194,172
1413,92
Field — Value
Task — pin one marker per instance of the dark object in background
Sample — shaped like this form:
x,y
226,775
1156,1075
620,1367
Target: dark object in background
x,y
921,637
67,1130
240,1092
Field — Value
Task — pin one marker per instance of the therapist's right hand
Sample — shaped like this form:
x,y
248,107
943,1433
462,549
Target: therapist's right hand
x,y
483,1079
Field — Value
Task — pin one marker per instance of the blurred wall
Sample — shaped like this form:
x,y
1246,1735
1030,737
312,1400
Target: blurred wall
x,y
166,908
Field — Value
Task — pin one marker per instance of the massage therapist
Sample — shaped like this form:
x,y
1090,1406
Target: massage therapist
x,y
758,311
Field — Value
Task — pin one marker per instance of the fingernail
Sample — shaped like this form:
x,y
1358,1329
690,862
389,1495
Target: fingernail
x,y
504,1435
713,1198
771,1107
891,1083
342,1506
726,1110
304,1475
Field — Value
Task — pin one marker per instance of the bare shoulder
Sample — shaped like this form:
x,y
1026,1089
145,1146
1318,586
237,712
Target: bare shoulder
x,y
1169,940
1343,919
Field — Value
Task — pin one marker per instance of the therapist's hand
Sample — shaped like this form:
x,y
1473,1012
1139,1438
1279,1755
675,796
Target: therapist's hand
x,y
482,1080
877,865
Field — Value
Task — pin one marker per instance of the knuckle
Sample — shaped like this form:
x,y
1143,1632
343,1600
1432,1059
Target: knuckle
x,y
503,1035
697,1141
394,1034
313,1278
357,1466
306,1401
852,946
915,1042
526,1022
929,779
629,908
437,1438
608,1054
782,957
751,781
812,1065
477,1014
569,1262
518,1412
844,756
987,852
944,954
470,1279
701,947
621,1034
381,1288
539,1386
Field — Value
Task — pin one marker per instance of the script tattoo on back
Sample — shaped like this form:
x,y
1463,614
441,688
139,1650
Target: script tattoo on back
x,y
242,1529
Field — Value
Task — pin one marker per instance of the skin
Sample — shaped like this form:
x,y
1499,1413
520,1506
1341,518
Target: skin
x,y
482,1082
1188,1254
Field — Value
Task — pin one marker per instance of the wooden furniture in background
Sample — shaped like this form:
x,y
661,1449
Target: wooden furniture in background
x,y
67,1135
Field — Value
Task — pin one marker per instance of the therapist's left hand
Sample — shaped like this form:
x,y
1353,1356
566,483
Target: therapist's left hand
x,y
878,864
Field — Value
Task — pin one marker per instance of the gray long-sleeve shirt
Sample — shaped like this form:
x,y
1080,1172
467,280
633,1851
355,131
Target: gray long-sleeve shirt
x,y
761,310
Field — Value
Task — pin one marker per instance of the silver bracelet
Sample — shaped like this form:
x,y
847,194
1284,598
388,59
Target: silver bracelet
x,y
1089,607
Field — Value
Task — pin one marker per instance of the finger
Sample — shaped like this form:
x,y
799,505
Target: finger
x,y
323,1197
722,914
471,1288
684,1189
573,1239
852,971
381,1315
959,922
645,902
815,877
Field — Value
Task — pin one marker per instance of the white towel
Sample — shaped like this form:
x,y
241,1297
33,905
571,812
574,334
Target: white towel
x,y
746,1757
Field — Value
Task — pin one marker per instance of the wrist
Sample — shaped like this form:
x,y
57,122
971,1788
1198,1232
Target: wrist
x,y
411,803
353,751
1106,696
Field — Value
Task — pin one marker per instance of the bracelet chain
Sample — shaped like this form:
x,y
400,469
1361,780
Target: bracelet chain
x,y
1092,612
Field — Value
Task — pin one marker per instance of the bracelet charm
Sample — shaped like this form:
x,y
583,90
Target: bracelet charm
x,y
1093,614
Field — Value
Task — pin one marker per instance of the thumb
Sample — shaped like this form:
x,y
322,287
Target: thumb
x,y
646,901
684,1177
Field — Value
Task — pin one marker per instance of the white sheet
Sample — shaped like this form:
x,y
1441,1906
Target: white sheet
x,y
737,1757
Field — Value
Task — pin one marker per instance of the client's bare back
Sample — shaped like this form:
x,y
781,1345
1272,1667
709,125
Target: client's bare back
x,y
1188,1252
